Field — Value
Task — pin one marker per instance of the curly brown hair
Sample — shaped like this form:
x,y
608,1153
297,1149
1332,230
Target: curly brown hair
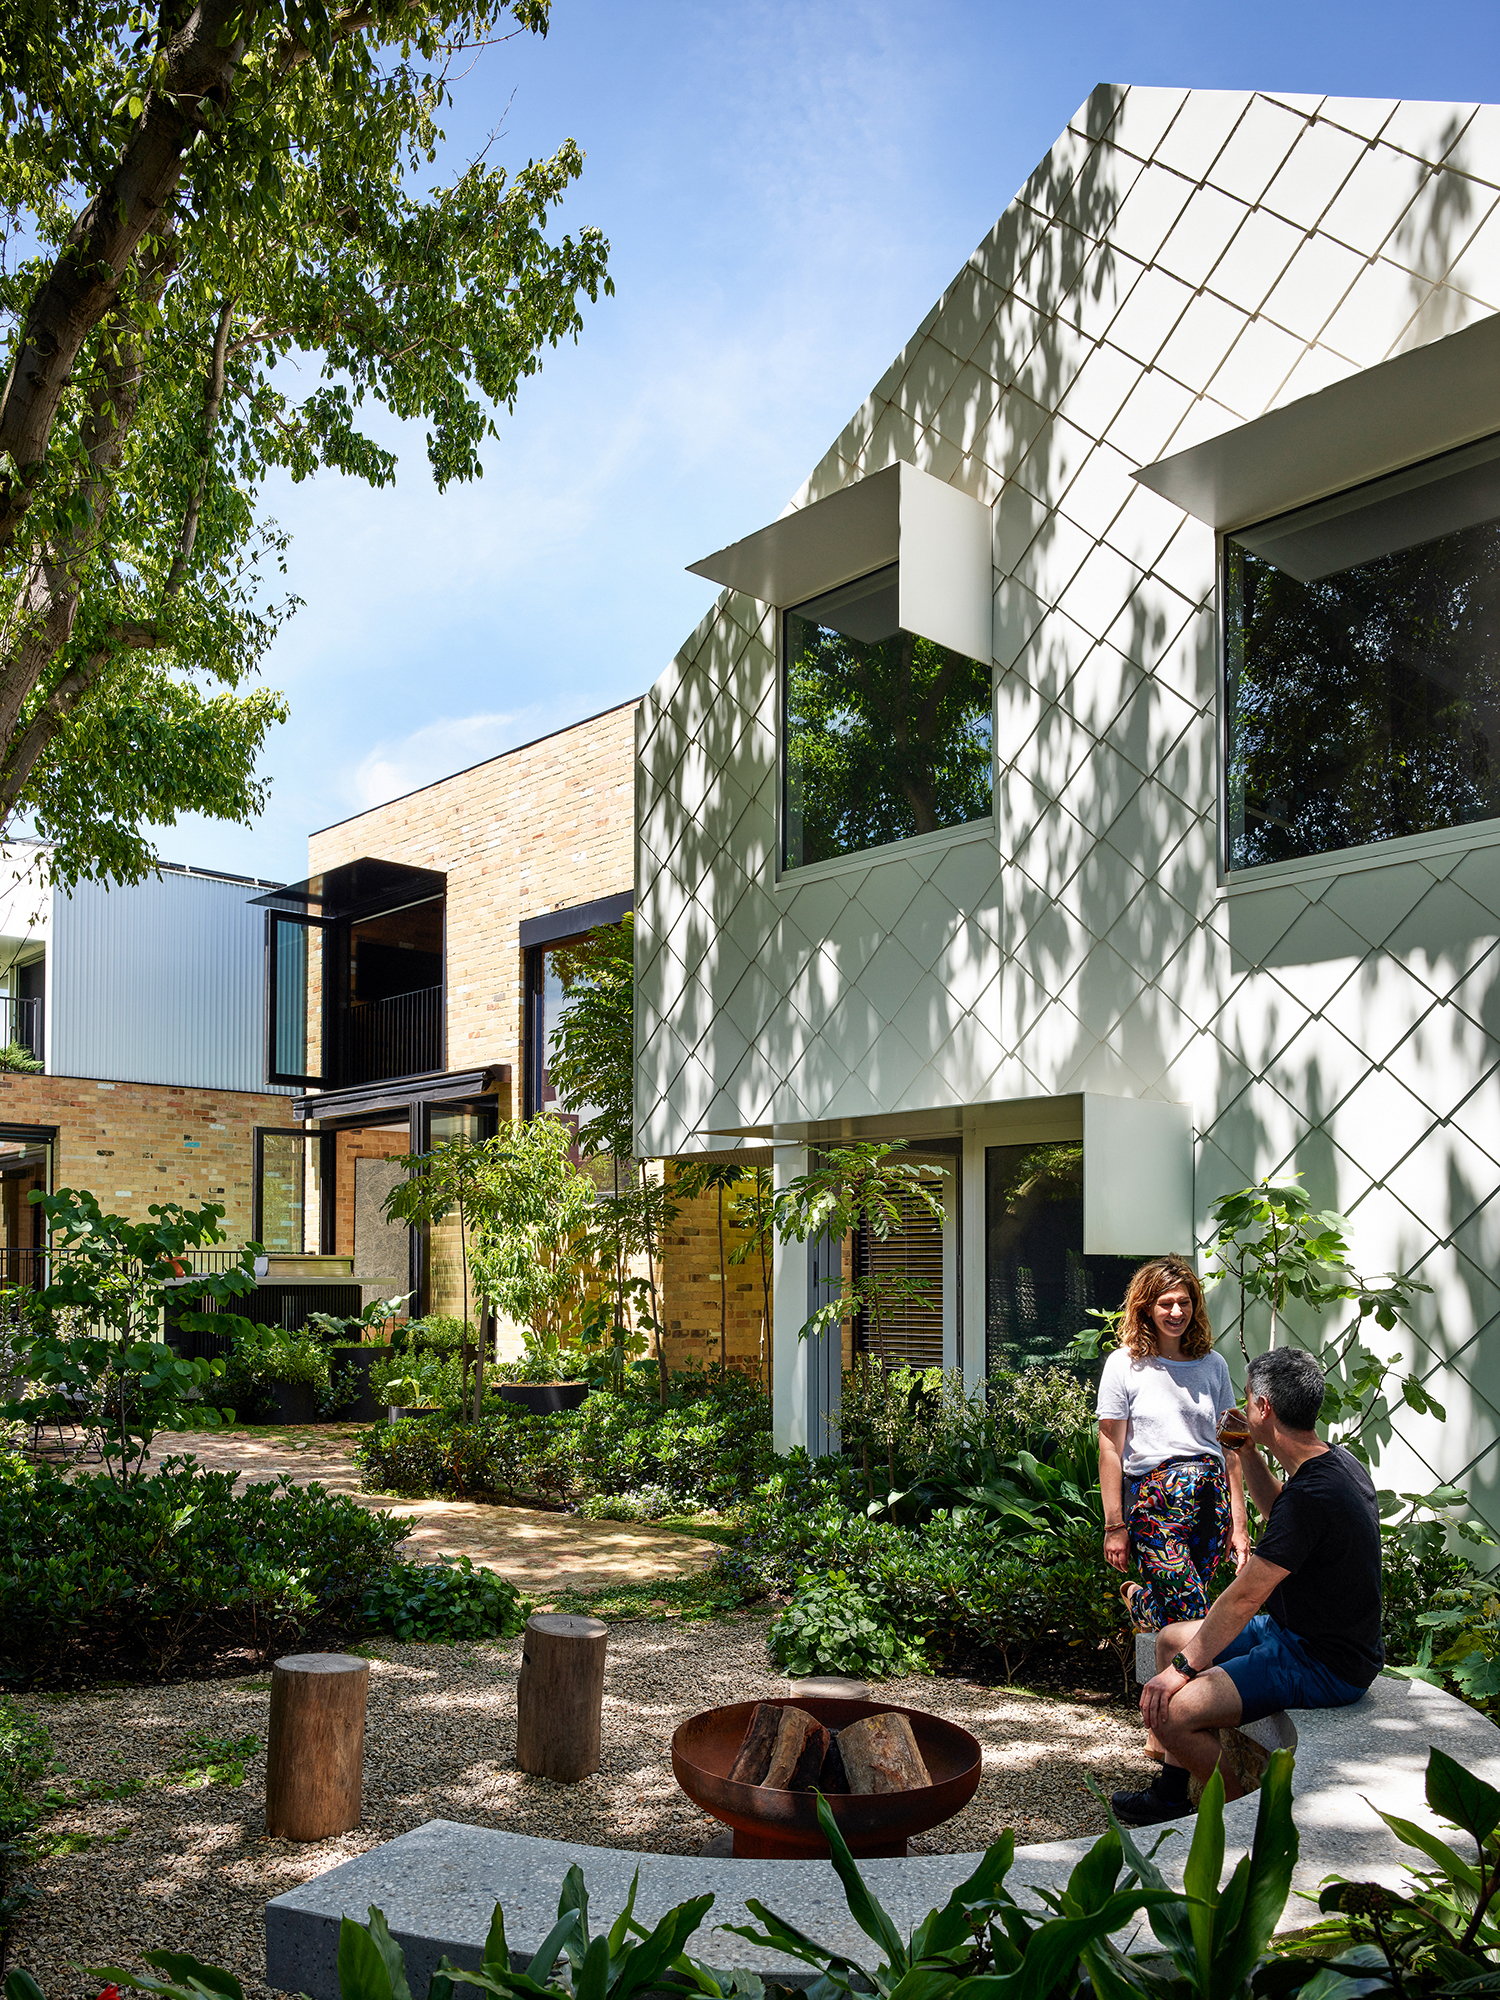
x,y
1137,1329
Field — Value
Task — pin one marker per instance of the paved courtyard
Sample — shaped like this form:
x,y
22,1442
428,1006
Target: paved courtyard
x,y
541,1553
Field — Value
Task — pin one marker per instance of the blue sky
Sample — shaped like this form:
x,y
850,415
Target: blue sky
x,y
786,190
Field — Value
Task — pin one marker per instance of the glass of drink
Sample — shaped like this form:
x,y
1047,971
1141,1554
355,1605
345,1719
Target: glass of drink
x,y
1234,1429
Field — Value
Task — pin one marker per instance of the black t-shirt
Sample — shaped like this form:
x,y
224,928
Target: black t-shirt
x,y
1325,1530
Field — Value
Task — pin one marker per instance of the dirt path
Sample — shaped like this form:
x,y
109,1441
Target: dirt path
x,y
540,1553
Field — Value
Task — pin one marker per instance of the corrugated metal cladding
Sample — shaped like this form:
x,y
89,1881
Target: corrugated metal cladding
x,y
161,982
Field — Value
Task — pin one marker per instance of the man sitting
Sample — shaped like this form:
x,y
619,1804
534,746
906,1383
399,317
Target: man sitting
x,y
1316,1568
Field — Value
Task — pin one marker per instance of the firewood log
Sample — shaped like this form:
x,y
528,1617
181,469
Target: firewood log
x,y
753,1758
801,1745
880,1755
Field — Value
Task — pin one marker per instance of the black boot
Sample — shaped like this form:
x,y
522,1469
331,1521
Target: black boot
x,y
1166,1797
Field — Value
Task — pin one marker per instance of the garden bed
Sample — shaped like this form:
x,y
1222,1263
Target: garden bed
x,y
193,1868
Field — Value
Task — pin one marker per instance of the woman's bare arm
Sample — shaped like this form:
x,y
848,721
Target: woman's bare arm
x,y
1111,1490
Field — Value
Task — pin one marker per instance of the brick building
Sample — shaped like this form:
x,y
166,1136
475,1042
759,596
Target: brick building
x,y
413,988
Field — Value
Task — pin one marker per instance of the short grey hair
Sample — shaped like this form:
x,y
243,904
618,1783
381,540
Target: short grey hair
x,y
1292,1383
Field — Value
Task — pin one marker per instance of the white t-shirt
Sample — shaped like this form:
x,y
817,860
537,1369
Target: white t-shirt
x,y
1171,1408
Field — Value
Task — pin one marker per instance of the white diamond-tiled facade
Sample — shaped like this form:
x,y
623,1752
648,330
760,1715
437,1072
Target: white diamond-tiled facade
x,y
1179,264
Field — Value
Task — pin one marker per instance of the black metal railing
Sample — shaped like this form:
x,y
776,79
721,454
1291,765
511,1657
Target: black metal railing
x,y
402,1036
21,1021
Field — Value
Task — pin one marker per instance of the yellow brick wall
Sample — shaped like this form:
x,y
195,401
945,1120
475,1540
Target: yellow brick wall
x,y
540,828
693,1307
132,1144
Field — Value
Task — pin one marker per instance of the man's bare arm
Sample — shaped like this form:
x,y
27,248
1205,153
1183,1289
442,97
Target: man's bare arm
x,y
1232,1611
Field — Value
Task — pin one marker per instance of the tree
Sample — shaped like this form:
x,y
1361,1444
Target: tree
x,y
213,191
591,1059
456,1178
531,1234
96,1344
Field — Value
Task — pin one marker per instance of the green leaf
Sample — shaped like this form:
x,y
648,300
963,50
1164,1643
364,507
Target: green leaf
x,y
1457,1795
1200,1877
362,1971
182,1968
591,1978
863,1907
20,1985
1272,1862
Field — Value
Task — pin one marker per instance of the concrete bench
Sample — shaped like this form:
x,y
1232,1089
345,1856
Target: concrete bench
x,y
438,1884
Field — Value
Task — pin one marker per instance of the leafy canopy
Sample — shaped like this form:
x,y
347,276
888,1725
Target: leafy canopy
x,y
224,239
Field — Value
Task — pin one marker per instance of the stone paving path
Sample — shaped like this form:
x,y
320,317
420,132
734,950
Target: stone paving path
x,y
540,1553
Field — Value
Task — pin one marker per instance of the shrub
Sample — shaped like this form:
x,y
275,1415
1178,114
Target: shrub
x,y
98,1579
831,1627
651,1503
709,1447
449,1599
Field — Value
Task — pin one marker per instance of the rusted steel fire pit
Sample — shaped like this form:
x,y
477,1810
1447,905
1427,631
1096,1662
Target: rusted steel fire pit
x,y
772,1825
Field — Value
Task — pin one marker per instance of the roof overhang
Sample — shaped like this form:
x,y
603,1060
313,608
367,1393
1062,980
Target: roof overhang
x,y
940,536
395,1098
365,888
1429,400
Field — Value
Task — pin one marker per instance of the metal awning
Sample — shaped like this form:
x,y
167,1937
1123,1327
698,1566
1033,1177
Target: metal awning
x,y
364,888
1430,400
397,1096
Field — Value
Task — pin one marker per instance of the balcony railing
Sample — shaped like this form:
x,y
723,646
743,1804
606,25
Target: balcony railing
x,y
21,1021
402,1036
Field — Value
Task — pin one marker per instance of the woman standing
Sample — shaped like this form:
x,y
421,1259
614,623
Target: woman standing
x,y
1168,1504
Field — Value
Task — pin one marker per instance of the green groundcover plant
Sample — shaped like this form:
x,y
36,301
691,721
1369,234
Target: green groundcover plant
x,y
446,1600
100,1580
1212,1939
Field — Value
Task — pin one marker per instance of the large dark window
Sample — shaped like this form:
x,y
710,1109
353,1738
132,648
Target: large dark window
x,y
1039,1286
354,976
1362,649
886,735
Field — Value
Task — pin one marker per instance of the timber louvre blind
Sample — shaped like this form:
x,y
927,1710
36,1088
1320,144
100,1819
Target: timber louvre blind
x,y
911,1331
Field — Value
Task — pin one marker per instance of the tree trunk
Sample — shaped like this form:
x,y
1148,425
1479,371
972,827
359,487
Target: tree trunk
x,y
315,1758
560,1696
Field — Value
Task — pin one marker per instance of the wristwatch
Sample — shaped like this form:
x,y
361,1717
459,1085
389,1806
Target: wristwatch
x,y
1180,1663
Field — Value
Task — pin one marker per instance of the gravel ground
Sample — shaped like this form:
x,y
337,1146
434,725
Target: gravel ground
x,y
191,1869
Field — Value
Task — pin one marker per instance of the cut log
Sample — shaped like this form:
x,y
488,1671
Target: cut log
x,y
560,1696
753,1758
835,1779
797,1760
316,1753
880,1755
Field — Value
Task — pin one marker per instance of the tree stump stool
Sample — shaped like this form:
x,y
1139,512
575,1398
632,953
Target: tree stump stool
x,y
559,1696
316,1755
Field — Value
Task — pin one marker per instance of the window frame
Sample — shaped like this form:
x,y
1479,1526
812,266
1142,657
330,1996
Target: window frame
x,y
1459,839
791,878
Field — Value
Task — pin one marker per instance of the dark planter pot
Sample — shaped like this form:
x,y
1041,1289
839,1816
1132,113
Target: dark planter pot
x,y
399,1410
294,1402
364,1407
545,1399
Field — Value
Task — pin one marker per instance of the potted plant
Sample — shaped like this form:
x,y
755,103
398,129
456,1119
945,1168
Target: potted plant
x,y
406,1393
358,1344
533,1261
545,1380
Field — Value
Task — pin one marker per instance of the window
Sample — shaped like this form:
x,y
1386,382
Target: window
x,y
1039,1286
887,735
1362,652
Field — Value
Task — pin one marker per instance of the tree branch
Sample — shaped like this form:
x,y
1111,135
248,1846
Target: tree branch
x,y
213,398
84,283
60,704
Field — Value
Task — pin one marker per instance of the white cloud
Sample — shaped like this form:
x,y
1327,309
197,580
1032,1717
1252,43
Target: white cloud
x,y
451,743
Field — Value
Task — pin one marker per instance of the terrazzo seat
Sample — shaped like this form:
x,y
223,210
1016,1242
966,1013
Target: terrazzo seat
x,y
439,1884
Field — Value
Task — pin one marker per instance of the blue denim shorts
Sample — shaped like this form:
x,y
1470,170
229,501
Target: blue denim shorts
x,y
1271,1668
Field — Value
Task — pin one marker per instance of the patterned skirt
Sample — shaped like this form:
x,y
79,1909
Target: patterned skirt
x,y
1179,1525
